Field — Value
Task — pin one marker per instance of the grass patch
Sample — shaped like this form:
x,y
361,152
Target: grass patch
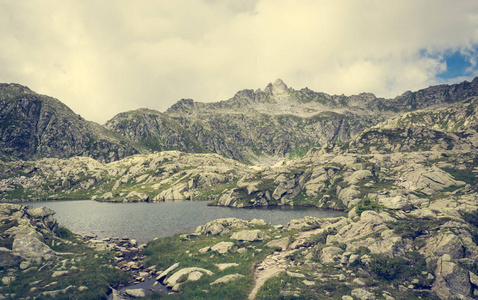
x,y
367,204
166,251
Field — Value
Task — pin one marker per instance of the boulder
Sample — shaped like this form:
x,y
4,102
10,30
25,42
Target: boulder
x,y
370,222
281,243
357,176
363,294
135,293
444,243
135,196
451,281
349,195
224,225
194,276
227,278
330,254
59,273
224,266
255,235
8,258
183,275
427,180
28,244
167,271
223,247
39,212
306,222
397,202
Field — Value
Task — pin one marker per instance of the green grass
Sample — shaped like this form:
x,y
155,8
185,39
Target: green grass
x,y
167,251
367,204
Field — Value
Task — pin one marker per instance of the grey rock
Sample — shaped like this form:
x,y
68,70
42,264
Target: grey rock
x,y
223,247
135,293
8,258
227,278
363,294
249,235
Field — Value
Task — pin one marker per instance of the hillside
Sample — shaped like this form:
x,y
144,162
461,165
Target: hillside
x,y
34,126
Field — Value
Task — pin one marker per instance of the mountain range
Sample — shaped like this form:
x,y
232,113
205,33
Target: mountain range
x,y
253,127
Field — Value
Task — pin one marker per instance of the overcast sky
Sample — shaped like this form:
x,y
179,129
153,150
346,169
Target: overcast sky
x,y
104,57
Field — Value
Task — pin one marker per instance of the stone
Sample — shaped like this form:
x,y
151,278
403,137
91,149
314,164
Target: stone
x,y
397,202
204,249
25,265
59,273
473,278
116,295
358,281
357,176
222,226
135,196
167,271
451,281
182,274
135,293
330,254
293,274
29,245
363,294
223,247
346,297
227,278
224,266
8,258
255,235
308,282
194,276
241,250
8,279
281,243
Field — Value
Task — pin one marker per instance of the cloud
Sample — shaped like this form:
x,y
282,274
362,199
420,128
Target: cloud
x,y
104,57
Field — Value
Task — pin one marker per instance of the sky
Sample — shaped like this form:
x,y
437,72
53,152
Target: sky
x,y
105,57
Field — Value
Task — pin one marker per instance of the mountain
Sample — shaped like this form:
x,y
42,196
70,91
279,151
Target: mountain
x,y
262,126
404,160
256,126
34,126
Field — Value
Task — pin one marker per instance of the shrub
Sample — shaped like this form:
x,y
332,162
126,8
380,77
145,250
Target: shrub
x,y
367,204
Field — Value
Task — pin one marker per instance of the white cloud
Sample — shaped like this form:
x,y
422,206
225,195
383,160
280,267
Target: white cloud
x,y
104,57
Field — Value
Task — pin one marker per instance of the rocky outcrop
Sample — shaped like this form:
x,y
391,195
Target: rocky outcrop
x,y
25,233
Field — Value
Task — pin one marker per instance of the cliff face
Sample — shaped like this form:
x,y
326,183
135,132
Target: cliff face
x,y
34,126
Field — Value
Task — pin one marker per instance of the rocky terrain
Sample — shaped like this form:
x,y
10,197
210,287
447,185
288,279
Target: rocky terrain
x,y
162,176
403,170
373,252
40,260
410,159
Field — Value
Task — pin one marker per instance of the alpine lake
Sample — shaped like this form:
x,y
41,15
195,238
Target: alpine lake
x,y
146,221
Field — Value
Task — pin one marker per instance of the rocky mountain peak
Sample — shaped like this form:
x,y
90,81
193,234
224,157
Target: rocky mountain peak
x,y
182,106
8,89
277,88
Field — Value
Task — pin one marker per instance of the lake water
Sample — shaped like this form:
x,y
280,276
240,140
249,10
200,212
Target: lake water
x,y
145,221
